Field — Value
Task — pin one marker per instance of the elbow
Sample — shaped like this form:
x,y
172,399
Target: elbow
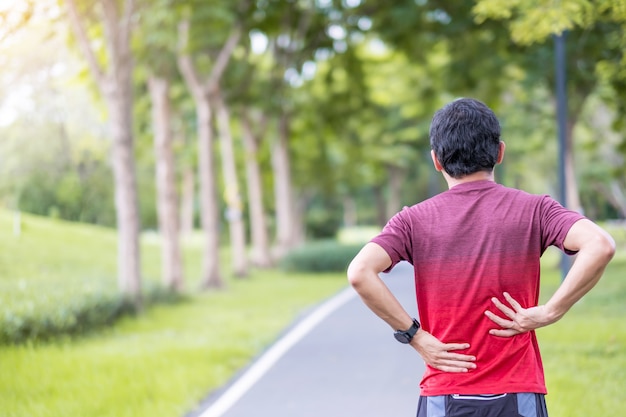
x,y
609,248
605,247
356,273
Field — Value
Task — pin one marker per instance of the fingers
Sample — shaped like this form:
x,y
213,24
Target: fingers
x,y
505,324
508,328
455,346
516,306
453,362
442,356
451,369
455,367
503,308
504,332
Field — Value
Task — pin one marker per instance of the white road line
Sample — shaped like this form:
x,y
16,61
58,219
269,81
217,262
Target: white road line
x,y
269,358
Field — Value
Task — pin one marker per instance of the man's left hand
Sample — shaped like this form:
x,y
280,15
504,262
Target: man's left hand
x,y
522,320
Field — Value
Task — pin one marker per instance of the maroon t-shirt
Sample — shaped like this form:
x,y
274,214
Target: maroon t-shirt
x,y
467,245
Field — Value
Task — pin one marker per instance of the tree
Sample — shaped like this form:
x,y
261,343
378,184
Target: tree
x,y
113,76
247,86
533,21
202,91
296,33
155,52
232,195
167,199
260,254
595,49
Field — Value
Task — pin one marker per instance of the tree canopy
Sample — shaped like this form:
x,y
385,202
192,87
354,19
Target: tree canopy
x,y
327,101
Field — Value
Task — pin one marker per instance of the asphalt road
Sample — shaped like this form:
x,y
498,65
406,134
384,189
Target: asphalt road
x,y
340,360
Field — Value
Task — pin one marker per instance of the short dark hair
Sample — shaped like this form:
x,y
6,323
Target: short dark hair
x,y
465,136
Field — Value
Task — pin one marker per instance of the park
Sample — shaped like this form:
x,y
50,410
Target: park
x,y
182,181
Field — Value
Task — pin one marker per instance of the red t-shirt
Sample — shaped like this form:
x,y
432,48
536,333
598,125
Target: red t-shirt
x,y
467,245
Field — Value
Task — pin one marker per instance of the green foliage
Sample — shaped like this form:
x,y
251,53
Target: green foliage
x,y
535,20
72,316
320,256
54,152
70,195
596,40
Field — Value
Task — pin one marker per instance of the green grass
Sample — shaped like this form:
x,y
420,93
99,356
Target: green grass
x,y
584,354
53,261
162,363
158,364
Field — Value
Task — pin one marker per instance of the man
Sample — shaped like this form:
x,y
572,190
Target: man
x,y
475,249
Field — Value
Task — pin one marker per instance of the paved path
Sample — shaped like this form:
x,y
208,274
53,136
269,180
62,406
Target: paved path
x,y
339,361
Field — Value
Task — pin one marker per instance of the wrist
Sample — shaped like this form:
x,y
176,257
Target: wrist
x,y
553,312
405,336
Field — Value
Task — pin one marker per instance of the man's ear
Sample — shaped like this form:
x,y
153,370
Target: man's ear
x,y
501,152
436,163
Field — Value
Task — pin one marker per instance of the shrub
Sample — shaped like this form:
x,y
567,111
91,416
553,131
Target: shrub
x,y
73,317
320,256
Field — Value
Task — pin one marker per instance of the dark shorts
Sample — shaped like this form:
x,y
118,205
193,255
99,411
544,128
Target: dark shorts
x,y
499,405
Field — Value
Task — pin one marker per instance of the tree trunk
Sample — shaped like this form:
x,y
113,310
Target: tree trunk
x,y
115,84
381,207
350,216
167,200
211,277
614,196
571,183
394,196
126,204
300,206
187,202
260,255
283,189
234,204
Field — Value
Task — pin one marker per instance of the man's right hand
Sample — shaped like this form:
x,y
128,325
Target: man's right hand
x,y
440,355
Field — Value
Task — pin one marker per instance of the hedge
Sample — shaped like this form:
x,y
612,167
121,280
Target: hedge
x,y
320,256
72,317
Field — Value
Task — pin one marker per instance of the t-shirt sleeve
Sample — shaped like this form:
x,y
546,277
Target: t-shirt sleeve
x,y
395,239
556,222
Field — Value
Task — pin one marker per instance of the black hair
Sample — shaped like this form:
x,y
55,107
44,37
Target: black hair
x,y
465,136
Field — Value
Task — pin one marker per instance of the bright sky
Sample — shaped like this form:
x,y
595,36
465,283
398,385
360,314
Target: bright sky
x,y
12,10
13,4
18,98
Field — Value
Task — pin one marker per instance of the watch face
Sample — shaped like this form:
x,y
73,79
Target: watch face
x,y
401,337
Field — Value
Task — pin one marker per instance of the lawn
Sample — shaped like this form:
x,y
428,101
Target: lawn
x,y
585,353
158,364
162,363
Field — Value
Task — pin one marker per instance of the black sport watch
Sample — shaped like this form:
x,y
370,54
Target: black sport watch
x,y
405,336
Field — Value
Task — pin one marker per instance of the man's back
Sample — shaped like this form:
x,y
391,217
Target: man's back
x,y
476,249
468,245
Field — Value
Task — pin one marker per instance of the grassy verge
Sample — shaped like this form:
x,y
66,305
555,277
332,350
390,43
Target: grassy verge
x,y
55,272
585,353
160,363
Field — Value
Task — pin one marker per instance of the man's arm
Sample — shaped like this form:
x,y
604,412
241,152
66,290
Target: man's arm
x,y
595,249
363,276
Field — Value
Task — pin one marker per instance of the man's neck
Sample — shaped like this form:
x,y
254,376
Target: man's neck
x,y
477,176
